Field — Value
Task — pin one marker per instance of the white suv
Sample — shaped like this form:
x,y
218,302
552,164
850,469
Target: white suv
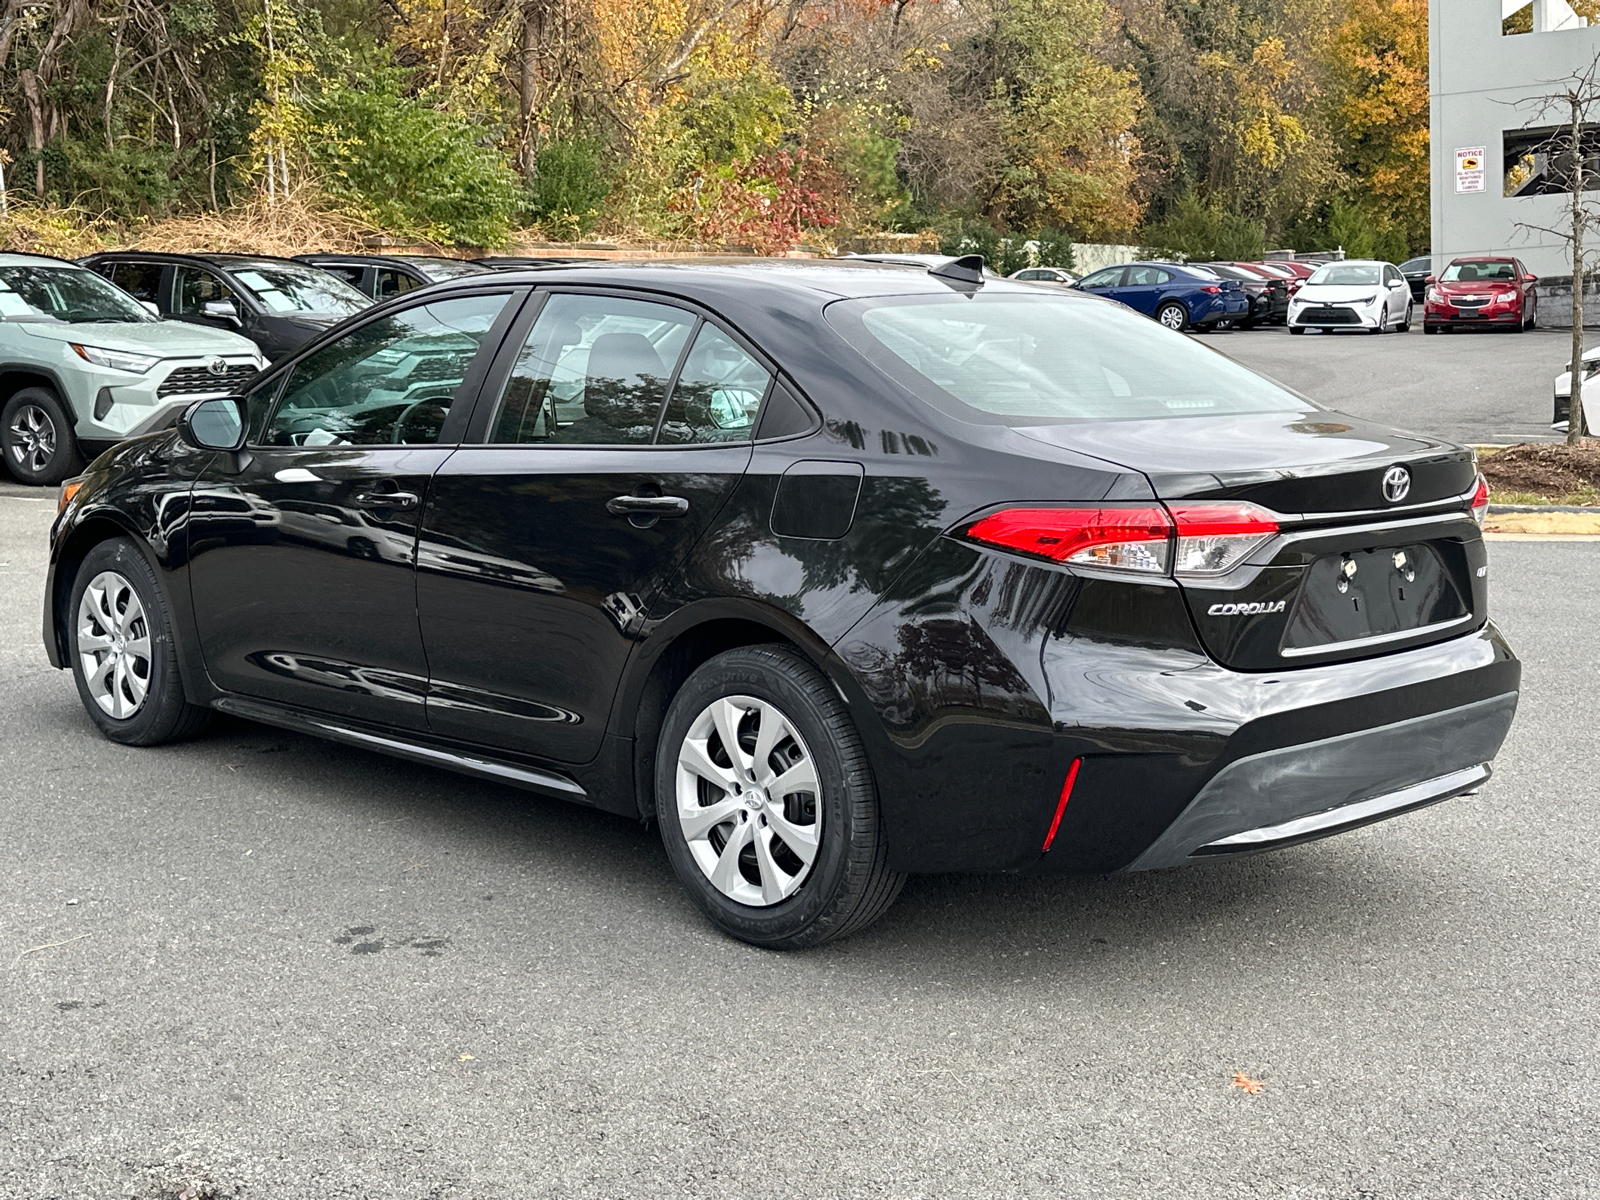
x,y
83,365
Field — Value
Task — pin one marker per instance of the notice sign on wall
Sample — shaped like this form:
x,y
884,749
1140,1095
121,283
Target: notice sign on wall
x,y
1470,169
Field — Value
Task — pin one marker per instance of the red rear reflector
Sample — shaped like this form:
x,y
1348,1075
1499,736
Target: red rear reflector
x,y
1061,804
1480,500
1126,539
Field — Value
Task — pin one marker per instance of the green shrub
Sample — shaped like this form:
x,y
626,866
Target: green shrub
x,y
570,184
408,166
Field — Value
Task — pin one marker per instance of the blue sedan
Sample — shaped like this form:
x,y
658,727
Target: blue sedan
x,y
1179,297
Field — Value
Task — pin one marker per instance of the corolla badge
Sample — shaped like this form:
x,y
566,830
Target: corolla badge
x,y
1247,610
1396,484
218,366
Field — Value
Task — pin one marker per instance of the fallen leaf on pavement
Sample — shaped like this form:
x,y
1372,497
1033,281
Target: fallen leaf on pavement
x,y
1244,1083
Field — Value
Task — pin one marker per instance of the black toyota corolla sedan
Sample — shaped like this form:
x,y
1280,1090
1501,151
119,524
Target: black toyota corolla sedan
x,y
834,571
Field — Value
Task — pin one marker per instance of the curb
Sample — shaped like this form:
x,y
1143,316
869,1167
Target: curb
x,y
1497,509
1544,522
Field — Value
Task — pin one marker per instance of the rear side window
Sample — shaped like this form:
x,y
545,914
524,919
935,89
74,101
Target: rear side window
x,y
717,395
1036,359
142,281
594,371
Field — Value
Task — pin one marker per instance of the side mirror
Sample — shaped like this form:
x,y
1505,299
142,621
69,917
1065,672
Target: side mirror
x,y
220,310
151,307
215,424
1431,279
1531,278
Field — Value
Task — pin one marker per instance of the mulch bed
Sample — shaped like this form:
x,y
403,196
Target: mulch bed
x,y
1545,469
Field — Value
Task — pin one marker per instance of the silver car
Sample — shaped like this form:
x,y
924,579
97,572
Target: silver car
x,y
83,365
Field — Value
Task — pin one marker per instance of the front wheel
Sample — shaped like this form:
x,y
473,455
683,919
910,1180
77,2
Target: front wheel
x,y
1173,315
123,658
767,805
1296,330
37,439
1405,326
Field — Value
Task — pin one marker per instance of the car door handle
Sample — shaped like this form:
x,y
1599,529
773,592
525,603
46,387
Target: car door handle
x,y
386,499
647,506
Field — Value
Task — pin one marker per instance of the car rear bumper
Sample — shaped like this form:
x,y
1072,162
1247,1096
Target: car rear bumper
x,y
1299,793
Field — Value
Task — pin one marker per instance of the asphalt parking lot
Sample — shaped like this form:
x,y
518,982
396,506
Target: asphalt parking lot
x,y
300,971
1475,386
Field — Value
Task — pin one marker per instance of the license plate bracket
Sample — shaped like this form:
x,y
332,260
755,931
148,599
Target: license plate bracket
x,y
1361,594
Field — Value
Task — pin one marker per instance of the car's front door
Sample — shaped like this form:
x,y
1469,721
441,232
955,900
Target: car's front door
x,y
543,548
302,562
1144,288
1103,283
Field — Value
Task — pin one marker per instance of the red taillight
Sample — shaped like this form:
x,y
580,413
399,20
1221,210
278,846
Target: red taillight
x,y
1480,500
1061,804
1213,291
1121,539
1215,538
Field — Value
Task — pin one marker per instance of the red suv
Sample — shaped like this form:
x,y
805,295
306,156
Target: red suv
x,y
1480,291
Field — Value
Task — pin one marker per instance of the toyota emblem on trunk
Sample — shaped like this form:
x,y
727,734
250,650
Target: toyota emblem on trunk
x,y
219,366
1396,483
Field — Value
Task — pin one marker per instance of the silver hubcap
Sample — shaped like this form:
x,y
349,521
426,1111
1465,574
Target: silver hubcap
x,y
114,645
749,802
33,438
1172,318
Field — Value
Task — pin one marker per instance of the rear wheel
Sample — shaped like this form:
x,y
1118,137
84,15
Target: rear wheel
x,y
767,805
1173,315
122,652
37,439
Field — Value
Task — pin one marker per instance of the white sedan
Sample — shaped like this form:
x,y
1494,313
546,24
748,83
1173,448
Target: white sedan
x,y
1563,401
1354,294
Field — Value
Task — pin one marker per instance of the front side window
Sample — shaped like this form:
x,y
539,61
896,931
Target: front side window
x,y
717,395
1103,279
70,294
394,283
594,371
292,288
389,383
196,288
1038,359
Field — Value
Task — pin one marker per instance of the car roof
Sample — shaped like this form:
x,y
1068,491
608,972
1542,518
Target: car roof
x,y
1471,258
377,260
825,279
216,259
24,258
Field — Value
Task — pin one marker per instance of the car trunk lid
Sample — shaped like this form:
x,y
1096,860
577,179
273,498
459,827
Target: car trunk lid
x,y
1356,569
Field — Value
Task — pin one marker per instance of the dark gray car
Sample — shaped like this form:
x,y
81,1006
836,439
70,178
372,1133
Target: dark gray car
x,y
278,303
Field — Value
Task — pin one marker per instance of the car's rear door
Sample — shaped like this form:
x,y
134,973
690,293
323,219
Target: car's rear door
x,y
1144,288
543,547
303,548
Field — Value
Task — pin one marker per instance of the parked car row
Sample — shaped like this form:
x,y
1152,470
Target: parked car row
x,y
116,345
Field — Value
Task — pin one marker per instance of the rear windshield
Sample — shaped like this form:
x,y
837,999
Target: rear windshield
x,y
1037,359
438,269
1466,272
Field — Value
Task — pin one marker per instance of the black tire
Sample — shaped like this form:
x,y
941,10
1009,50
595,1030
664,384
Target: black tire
x,y
1296,330
1426,328
37,439
1405,326
848,884
163,714
1177,316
